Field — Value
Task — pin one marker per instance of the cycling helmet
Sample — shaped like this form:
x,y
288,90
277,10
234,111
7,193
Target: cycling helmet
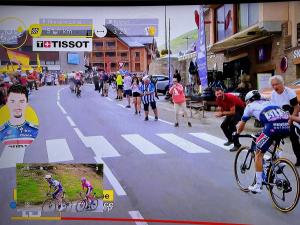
x,y
252,96
48,176
83,179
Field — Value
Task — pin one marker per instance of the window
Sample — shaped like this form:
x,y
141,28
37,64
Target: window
x,y
123,54
224,21
99,54
247,15
98,44
137,54
110,54
137,67
111,44
113,65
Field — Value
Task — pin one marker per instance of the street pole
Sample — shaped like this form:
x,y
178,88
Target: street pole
x,y
169,56
166,27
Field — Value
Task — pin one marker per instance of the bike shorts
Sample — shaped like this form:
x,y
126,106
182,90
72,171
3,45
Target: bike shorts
x,y
58,193
271,132
77,82
89,191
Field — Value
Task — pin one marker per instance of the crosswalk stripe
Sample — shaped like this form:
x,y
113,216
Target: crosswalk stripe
x,y
58,150
183,143
212,139
142,144
10,157
100,146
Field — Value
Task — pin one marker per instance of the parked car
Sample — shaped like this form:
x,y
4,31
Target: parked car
x,y
266,92
162,83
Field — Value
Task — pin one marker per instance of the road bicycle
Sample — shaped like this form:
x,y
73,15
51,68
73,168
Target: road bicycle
x,y
280,176
51,204
84,203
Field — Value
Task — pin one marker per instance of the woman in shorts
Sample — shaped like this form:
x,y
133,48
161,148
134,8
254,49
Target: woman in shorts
x,y
136,94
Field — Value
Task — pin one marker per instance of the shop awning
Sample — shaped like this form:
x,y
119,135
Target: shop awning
x,y
243,38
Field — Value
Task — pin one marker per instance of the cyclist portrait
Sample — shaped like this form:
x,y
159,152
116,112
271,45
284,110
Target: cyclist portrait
x,y
275,122
89,189
58,190
17,132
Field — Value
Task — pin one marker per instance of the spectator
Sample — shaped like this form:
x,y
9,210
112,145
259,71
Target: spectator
x,y
286,98
178,97
232,107
30,79
177,76
148,98
127,89
136,93
101,82
96,81
105,84
119,81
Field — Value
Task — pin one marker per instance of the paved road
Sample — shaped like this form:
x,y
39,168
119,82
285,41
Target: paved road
x,y
178,173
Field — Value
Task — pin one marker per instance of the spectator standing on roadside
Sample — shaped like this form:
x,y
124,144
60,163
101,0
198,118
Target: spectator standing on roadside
x,y
286,99
136,94
119,81
232,107
96,81
148,97
127,88
105,84
178,97
101,82
177,76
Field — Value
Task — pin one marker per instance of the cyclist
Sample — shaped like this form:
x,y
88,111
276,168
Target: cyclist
x,y
58,190
78,83
275,122
89,188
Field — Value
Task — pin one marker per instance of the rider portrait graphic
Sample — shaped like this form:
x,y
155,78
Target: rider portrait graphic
x,y
17,131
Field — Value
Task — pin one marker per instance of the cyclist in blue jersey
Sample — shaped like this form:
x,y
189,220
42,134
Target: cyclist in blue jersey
x,y
17,132
275,122
58,190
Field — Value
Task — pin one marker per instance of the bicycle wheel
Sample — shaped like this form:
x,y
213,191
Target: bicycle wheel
x,y
244,168
66,204
80,206
284,185
94,205
48,205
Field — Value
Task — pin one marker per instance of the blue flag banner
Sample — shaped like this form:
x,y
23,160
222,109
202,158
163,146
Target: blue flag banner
x,y
201,51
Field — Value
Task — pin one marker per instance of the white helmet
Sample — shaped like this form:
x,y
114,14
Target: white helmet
x,y
48,176
252,96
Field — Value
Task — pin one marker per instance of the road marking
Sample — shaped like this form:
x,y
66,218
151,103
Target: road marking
x,y
182,143
111,178
121,105
109,99
164,121
100,146
61,108
11,156
58,150
142,144
137,215
212,139
71,121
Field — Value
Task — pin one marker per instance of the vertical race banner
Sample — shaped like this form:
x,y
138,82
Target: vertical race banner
x,y
201,51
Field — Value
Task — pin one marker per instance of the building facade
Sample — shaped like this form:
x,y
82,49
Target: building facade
x,y
111,52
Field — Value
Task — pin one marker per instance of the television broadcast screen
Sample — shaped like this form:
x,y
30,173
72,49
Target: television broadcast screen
x,y
150,114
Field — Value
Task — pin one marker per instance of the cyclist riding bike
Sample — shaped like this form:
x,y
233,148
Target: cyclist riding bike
x,y
89,189
275,122
78,82
58,190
